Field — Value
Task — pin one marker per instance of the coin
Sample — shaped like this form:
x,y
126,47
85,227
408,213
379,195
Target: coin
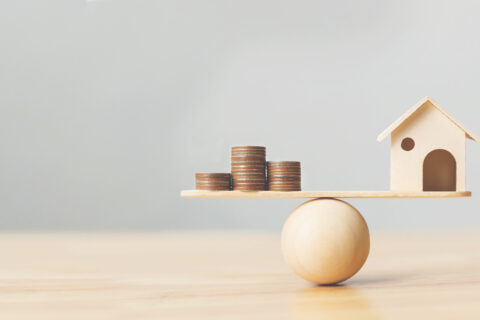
x,y
284,175
213,181
248,168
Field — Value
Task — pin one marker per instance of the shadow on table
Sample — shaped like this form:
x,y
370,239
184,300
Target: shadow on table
x,y
331,302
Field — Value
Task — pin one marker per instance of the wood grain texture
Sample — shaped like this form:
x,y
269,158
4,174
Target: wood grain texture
x,y
414,108
431,130
230,275
325,241
323,194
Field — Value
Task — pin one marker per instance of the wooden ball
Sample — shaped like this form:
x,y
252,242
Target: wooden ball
x,y
325,241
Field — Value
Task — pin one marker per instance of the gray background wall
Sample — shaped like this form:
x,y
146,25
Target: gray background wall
x,y
107,108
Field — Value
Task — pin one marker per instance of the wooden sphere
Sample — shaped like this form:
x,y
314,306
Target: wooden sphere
x,y
325,241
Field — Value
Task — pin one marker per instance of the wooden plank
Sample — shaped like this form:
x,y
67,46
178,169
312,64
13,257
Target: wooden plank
x,y
230,275
323,194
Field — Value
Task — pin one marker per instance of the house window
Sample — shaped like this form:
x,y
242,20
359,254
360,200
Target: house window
x,y
408,144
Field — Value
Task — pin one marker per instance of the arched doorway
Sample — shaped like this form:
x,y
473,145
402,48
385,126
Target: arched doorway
x,y
439,171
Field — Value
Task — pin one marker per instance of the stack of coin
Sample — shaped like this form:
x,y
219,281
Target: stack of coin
x,y
284,175
213,181
248,168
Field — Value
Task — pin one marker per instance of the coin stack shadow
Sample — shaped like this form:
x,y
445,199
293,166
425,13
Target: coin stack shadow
x,y
284,176
213,181
248,168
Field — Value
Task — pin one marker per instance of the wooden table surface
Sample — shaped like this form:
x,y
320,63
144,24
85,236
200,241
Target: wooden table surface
x,y
230,275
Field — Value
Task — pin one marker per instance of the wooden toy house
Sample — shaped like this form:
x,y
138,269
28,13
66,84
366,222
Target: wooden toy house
x,y
427,149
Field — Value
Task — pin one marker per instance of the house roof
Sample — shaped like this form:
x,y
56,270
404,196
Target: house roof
x,y
417,106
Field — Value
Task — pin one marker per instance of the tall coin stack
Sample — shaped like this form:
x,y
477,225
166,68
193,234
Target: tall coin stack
x,y
248,168
213,181
284,175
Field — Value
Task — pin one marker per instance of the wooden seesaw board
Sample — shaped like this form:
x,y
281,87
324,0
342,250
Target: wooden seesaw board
x,y
324,194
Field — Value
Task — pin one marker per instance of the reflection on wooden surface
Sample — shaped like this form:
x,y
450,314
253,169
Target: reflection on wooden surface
x,y
331,302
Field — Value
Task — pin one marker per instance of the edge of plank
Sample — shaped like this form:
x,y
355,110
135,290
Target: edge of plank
x,y
323,194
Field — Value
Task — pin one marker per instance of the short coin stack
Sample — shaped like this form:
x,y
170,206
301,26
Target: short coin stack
x,y
213,181
248,168
284,176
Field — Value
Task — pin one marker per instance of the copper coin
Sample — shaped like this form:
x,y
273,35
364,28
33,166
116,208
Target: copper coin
x,y
249,173
284,163
243,150
215,175
249,148
248,154
284,174
248,163
248,169
285,183
273,183
248,159
284,187
246,176
212,188
288,176
282,168
213,183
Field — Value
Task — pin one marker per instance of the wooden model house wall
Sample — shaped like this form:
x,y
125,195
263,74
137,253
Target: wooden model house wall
x,y
427,149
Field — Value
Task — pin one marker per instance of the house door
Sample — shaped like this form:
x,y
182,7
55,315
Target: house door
x,y
439,171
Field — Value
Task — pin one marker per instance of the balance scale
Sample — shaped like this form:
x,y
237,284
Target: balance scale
x,y
326,240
